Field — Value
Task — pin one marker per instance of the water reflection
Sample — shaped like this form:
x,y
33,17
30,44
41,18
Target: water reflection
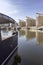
x,y
30,35
39,37
5,34
17,59
21,33
30,53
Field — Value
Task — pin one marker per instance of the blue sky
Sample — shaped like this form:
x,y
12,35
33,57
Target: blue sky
x,y
19,9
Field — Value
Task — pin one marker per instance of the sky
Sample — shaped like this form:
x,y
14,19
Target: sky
x,y
19,9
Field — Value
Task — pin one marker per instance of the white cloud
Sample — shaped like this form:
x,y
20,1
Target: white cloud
x,y
13,12
7,8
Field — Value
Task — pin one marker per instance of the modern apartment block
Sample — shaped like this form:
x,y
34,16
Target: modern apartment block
x,y
22,23
39,20
30,21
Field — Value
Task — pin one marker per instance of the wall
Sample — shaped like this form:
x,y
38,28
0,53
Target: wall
x,y
30,22
39,21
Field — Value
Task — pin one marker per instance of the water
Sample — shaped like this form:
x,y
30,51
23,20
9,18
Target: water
x,y
30,47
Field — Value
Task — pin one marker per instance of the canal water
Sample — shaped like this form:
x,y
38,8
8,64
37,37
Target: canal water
x,y
30,47
29,50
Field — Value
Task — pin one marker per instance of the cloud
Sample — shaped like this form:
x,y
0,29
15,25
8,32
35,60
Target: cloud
x,y
13,12
7,8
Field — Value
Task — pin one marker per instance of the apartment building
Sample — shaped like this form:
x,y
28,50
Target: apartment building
x,y
30,21
39,20
22,23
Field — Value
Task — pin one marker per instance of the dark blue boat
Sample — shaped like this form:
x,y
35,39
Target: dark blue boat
x,y
7,47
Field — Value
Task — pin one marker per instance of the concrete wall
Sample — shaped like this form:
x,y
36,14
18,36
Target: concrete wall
x,y
30,22
39,21
22,23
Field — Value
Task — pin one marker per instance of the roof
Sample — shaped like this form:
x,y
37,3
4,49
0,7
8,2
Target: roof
x,y
6,19
30,18
39,14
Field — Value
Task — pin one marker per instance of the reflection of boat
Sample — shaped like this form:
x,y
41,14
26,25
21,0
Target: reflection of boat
x,y
17,59
12,58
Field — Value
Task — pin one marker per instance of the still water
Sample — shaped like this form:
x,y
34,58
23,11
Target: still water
x,y
30,48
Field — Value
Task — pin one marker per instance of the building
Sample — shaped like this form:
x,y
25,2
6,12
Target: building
x,y
22,23
30,22
39,20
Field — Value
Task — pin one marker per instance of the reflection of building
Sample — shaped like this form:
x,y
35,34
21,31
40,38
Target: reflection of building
x,y
30,22
6,21
30,35
39,37
22,23
21,32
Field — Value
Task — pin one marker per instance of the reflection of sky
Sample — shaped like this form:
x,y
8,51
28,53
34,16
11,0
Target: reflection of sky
x,y
30,52
21,8
6,34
